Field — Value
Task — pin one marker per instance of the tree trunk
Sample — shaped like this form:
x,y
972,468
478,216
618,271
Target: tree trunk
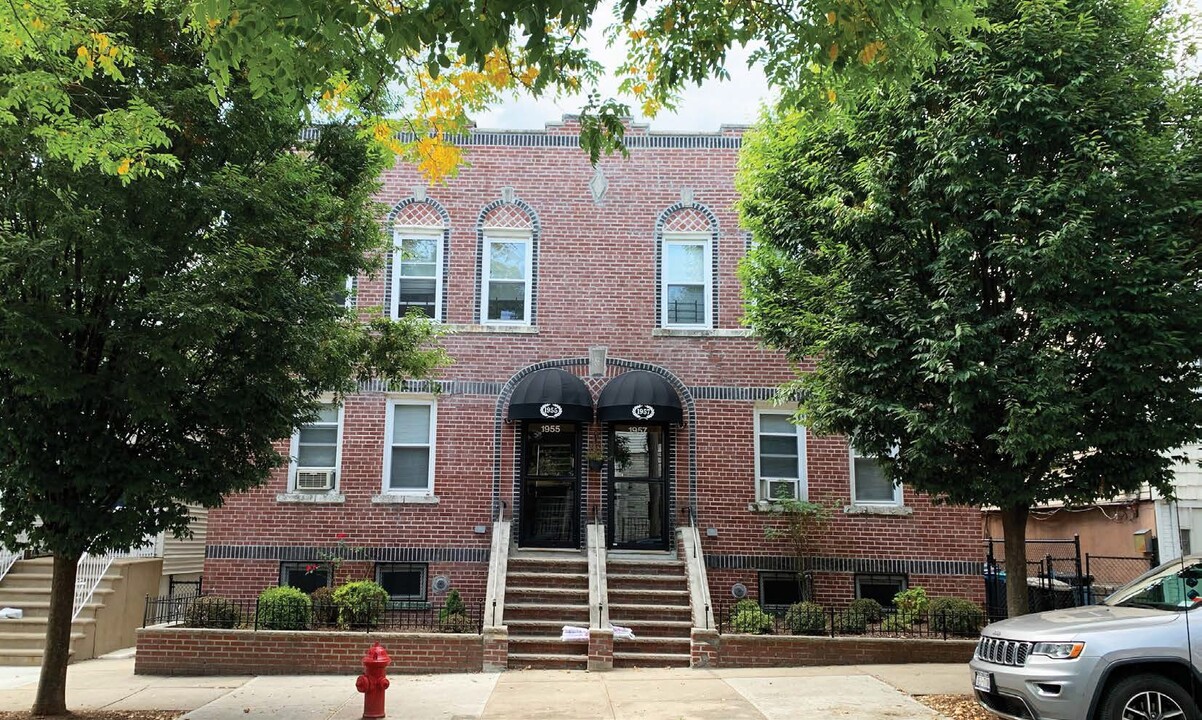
x,y
52,685
1014,528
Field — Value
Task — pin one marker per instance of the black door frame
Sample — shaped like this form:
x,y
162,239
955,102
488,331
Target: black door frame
x,y
573,495
665,480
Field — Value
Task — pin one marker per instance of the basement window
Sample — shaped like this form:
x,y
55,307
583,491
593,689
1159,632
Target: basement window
x,y
304,576
779,590
881,588
403,581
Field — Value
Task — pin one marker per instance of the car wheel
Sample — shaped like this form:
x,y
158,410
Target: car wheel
x,y
1148,697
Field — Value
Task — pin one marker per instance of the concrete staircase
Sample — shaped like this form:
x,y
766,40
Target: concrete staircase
x,y
27,587
650,595
543,592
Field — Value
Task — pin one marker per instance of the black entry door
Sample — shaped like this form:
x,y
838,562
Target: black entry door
x,y
550,482
638,492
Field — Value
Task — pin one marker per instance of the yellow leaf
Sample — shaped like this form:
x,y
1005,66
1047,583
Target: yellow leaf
x,y
870,51
833,51
831,17
123,168
38,24
831,96
81,51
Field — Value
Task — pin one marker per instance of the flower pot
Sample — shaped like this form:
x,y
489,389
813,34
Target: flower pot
x,y
596,464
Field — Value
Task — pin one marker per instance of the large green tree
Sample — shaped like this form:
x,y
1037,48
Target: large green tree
x,y
992,276
156,338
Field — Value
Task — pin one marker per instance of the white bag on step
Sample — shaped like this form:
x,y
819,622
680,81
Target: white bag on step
x,y
574,633
622,633
11,613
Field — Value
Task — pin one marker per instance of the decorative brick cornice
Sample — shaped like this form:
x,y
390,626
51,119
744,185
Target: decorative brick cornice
x,y
304,553
882,566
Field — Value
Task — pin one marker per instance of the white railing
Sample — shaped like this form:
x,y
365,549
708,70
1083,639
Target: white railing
x,y
92,569
8,558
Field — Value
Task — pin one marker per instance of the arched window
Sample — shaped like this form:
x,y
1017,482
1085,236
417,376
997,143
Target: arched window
x,y
507,237
687,267
416,267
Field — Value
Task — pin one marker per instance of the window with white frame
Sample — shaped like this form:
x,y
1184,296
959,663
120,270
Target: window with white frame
x,y
780,457
869,485
505,289
417,272
686,280
409,452
316,448
403,581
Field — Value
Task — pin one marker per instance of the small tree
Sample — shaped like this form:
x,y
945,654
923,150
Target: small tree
x,y
995,273
156,339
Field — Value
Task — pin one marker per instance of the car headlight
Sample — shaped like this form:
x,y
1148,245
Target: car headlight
x,y
1058,650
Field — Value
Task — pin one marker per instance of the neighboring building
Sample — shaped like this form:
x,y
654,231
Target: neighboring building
x,y
594,312
1177,521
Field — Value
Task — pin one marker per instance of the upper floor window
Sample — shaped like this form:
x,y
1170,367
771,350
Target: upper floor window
x,y
780,457
685,294
869,485
409,447
316,448
505,294
417,277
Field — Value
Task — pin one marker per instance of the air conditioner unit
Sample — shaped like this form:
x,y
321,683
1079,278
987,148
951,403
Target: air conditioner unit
x,y
310,479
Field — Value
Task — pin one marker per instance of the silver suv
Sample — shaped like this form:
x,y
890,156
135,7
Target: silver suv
x,y
1137,656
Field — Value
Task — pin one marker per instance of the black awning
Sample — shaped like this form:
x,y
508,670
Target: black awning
x,y
639,396
551,394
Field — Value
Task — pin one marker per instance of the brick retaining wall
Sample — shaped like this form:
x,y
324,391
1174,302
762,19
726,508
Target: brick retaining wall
x,y
195,651
756,651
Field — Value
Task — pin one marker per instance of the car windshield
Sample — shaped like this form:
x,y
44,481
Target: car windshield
x,y
1172,586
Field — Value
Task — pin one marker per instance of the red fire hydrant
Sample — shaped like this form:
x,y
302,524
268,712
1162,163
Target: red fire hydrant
x,y
372,682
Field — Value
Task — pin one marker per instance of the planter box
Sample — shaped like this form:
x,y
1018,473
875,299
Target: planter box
x,y
198,651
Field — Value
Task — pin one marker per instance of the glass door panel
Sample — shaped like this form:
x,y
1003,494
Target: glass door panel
x,y
637,488
550,478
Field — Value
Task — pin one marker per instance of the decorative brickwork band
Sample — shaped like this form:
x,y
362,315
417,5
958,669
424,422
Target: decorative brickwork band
x,y
301,553
848,565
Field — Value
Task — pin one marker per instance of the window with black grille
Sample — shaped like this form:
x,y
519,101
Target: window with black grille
x,y
304,576
403,581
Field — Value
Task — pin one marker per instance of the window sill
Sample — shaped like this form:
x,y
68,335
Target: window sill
x,y
319,498
763,506
494,329
403,499
714,333
899,510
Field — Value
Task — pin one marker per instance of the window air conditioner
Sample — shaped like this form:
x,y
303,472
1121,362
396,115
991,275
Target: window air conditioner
x,y
310,479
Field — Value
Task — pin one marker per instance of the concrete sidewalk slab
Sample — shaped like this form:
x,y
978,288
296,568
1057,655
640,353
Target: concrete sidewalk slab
x,y
575,695
847,696
430,697
703,698
317,697
923,679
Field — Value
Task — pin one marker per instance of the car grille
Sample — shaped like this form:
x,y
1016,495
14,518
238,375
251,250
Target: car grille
x,y
1003,652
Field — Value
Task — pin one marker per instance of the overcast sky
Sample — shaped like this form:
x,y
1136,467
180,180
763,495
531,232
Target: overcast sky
x,y
704,108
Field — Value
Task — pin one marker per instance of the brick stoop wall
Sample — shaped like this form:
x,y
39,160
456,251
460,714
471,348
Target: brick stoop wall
x,y
196,651
758,651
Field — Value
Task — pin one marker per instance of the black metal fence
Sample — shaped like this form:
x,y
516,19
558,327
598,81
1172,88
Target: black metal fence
x,y
943,623
1059,575
183,588
210,611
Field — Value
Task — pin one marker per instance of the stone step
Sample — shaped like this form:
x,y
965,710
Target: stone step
x,y
648,660
653,645
553,596
42,609
630,596
644,567
27,640
537,628
524,661
657,628
546,646
546,566
27,658
554,580
643,582
633,611
562,613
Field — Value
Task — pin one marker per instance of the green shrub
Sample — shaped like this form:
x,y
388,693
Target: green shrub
x,y
283,608
360,604
912,604
849,622
747,617
895,623
868,608
212,611
806,618
456,623
325,610
956,616
453,606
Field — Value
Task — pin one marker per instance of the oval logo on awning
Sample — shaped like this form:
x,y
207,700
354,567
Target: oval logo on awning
x,y
551,410
643,412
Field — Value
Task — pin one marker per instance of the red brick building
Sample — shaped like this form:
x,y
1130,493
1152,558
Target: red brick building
x,y
595,313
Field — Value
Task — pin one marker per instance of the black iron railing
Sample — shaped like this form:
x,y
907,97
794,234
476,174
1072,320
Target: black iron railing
x,y
943,624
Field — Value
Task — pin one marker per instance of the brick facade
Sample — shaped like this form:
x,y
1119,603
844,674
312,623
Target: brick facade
x,y
595,283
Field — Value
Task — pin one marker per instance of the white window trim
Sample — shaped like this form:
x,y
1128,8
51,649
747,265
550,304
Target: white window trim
x,y
506,235
349,303
416,232
857,502
803,482
693,238
294,450
385,488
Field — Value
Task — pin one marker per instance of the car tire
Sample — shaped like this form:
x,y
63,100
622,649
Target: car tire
x,y
1128,699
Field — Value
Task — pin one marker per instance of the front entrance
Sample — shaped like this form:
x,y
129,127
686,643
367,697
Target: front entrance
x,y
638,502
550,465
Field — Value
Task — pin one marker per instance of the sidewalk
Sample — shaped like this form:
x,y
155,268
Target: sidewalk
x,y
845,692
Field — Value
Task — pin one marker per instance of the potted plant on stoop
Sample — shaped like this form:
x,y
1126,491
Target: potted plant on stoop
x,y
596,458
